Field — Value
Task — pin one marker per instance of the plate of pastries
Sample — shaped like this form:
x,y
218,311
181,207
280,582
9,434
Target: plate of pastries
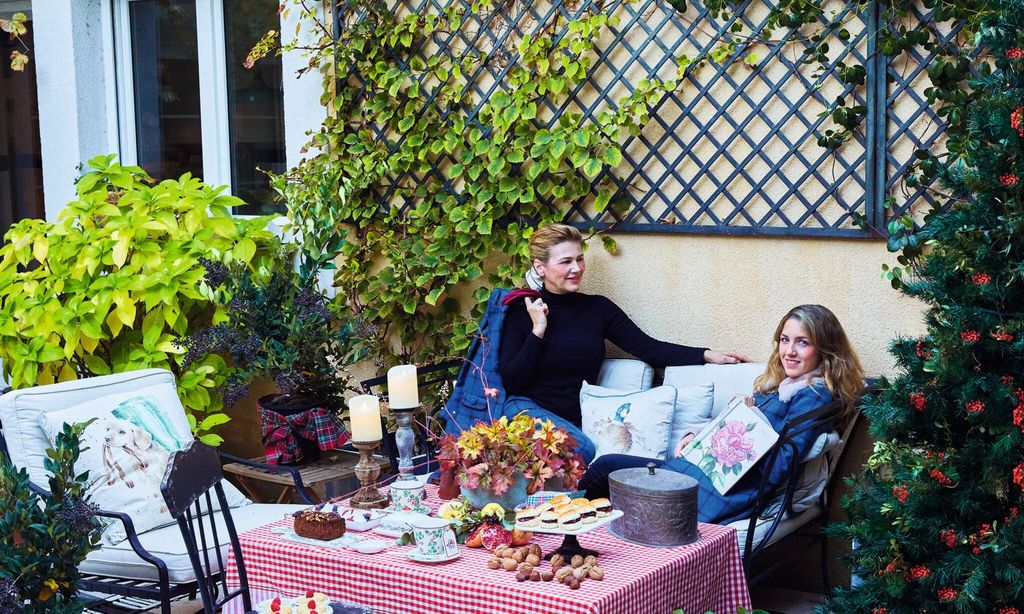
x,y
564,516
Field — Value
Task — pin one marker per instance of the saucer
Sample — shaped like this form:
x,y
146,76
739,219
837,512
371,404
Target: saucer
x,y
423,509
372,546
415,555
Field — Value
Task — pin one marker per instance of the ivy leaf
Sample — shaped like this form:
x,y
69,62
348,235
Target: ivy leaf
x,y
455,171
558,148
433,296
580,138
592,168
18,61
609,244
612,157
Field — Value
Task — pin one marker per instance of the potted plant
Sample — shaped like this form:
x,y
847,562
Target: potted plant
x,y
279,326
113,282
505,460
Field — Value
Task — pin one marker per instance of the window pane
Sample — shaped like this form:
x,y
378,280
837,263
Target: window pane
x,y
165,62
21,164
255,104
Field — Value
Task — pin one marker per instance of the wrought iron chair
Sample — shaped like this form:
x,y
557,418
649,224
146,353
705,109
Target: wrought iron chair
x,y
776,517
192,479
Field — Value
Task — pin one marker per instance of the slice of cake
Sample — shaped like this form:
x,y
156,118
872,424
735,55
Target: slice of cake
x,y
324,526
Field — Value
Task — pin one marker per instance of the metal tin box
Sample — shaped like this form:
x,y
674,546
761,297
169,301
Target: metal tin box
x,y
659,506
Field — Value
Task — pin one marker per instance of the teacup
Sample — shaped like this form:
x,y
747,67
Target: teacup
x,y
407,495
435,539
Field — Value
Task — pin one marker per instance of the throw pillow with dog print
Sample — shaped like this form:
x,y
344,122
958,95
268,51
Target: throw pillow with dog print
x,y
126,451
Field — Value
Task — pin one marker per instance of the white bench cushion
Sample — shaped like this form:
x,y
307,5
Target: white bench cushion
x,y
728,380
787,526
167,544
627,374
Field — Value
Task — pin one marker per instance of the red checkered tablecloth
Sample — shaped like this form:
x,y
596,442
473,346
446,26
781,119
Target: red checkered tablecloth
x,y
706,576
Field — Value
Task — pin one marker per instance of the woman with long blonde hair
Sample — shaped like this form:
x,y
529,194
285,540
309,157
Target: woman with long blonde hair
x,y
812,363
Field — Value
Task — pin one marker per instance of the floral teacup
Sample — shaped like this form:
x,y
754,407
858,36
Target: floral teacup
x,y
435,539
407,495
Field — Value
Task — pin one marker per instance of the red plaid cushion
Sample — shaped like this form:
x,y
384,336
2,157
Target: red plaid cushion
x,y
316,424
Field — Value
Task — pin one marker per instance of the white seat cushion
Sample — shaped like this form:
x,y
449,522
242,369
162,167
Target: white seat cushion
x,y
167,544
627,374
728,380
786,527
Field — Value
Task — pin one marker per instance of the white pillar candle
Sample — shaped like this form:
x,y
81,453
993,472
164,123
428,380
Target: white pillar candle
x,y
364,416
403,392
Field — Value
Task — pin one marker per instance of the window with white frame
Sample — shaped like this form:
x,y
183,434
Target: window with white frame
x,y
186,102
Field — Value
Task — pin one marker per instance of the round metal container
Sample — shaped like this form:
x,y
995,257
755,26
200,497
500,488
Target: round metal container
x,y
659,506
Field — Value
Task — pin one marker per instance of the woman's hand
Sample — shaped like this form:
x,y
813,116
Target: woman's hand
x,y
725,357
749,400
538,315
685,441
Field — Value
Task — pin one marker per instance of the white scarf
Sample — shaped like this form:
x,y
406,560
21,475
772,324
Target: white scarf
x,y
789,386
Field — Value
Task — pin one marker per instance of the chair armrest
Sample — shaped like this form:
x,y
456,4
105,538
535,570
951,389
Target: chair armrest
x,y
133,538
300,488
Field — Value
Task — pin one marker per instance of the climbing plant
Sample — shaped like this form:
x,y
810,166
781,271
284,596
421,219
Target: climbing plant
x,y
432,201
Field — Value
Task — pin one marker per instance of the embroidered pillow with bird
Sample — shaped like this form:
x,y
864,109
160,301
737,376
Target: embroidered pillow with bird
x,y
634,423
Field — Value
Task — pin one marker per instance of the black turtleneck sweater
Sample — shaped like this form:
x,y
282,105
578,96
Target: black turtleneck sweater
x,y
550,371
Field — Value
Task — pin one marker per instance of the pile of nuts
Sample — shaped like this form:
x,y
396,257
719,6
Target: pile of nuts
x,y
526,561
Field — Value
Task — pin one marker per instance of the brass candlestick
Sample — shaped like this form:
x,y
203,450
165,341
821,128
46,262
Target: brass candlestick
x,y
367,470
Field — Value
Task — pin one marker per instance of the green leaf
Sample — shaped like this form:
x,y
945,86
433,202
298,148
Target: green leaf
x,y
433,296
592,168
97,365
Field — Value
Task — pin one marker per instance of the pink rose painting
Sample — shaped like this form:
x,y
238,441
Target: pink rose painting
x,y
730,445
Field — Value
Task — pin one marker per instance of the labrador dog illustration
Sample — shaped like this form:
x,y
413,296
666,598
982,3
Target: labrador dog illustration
x,y
129,451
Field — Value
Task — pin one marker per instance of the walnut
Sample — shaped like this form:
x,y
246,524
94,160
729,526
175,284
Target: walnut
x,y
525,568
509,564
590,560
533,559
596,573
576,561
557,560
562,573
494,563
580,572
535,549
518,556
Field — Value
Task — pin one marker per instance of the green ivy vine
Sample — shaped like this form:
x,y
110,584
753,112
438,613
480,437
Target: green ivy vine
x,y
400,100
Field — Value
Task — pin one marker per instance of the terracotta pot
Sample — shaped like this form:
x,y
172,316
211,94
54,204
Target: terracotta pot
x,y
289,406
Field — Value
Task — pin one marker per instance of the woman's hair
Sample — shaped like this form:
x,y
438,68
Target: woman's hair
x,y
839,366
546,237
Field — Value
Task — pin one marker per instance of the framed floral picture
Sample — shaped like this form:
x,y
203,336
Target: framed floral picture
x,y
731,444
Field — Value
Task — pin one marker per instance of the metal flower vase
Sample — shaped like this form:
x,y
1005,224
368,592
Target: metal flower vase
x,y
515,495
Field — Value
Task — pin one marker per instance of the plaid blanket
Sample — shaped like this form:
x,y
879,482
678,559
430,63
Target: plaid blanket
x,y
316,424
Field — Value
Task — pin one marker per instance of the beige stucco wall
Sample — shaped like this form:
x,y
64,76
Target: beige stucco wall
x,y
730,292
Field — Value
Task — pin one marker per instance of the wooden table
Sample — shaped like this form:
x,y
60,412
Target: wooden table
x,y
330,467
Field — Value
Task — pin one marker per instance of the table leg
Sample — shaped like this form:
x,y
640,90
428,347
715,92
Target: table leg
x,y
569,548
250,492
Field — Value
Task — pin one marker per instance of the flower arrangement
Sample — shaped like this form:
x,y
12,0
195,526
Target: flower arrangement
x,y
491,456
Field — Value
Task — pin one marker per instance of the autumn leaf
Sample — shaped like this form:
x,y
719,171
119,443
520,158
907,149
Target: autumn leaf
x,y
18,61
15,26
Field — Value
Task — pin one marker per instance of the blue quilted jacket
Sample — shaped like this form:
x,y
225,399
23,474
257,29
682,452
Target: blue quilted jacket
x,y
468,404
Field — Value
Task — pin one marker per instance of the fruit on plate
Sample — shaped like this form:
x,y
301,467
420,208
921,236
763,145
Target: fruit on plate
x,y
521,538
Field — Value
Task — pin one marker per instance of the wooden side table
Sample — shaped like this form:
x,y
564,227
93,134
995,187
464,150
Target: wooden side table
x,y
330,467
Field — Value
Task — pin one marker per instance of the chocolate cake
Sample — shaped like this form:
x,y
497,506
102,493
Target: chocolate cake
x,y
319,525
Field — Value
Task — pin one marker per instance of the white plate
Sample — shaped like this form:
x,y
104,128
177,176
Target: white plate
x,y
372,546
288,601
341,542
584,528
415,555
